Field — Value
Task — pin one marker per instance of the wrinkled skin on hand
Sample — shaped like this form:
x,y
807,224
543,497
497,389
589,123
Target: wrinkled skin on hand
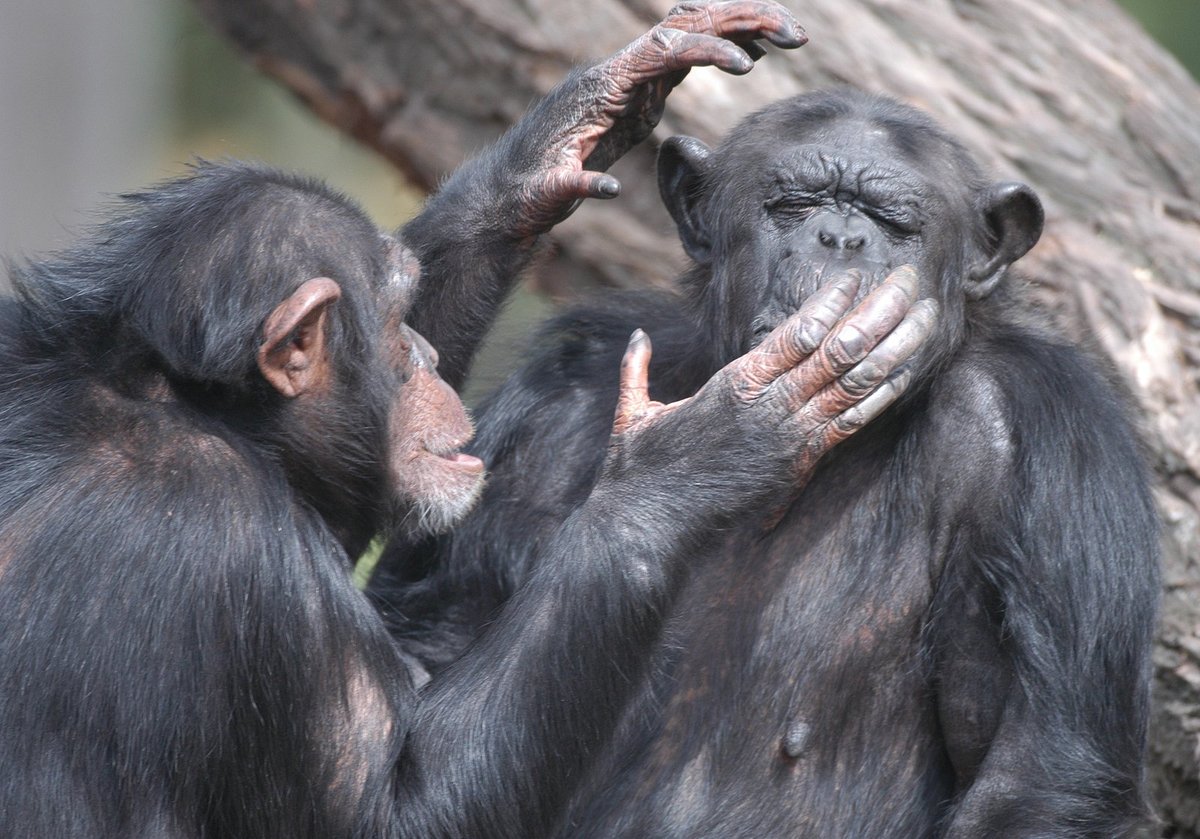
x,y
815,380
594,117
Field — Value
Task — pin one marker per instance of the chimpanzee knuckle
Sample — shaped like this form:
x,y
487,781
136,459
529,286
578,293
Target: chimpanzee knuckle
x,y
842,426
862,378
875,403
745,18
846,347
807,380
906,339
787,346
665,39
684,15
604,86
811,332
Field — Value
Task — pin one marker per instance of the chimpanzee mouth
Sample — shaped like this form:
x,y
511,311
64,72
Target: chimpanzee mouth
x,y
788,297
452,453
465,462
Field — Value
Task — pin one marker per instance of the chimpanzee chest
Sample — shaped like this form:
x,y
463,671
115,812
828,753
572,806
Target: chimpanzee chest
x,y
789,695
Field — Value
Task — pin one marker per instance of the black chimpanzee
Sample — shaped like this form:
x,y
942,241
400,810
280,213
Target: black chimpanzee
x,y
211,404
946,631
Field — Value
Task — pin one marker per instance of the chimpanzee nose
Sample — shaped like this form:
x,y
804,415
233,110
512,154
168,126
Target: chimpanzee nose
x,y
843,234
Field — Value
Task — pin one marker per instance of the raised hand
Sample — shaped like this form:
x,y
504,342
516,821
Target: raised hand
x,y
474,236
600,112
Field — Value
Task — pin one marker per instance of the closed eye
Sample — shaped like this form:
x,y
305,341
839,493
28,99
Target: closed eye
x,y
792,208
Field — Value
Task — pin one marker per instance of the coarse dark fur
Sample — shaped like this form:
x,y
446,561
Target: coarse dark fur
x,y
182,651
216,399
947,631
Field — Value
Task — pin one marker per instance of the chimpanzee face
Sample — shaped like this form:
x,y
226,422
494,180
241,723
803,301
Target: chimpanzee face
x,y
434,483
841,199
375,421
806,191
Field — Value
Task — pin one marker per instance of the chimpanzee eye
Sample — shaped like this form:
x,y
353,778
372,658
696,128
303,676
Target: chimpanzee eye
x,y
791,208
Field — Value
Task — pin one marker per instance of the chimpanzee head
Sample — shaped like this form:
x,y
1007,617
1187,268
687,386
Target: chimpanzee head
x,y
351,372
824,183
274,310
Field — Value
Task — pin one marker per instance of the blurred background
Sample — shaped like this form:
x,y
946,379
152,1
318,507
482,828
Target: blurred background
x,y
97,98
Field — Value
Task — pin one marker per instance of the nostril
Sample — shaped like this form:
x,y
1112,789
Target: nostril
x,y
842,242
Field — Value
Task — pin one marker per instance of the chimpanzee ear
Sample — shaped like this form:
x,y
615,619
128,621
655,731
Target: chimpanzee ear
x,y
292,356
682,165
1013,215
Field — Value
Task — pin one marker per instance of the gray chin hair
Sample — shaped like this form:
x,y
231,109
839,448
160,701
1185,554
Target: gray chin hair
x,y
437,512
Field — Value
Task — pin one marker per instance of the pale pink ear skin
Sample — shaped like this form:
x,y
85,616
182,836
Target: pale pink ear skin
x,y
292,356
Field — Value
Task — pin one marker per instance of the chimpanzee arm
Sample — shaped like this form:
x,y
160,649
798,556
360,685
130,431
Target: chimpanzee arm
x,y
478,231
494,751
1046,614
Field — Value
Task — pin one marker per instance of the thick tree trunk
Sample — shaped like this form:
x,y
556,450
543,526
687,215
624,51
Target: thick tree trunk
x,y
1067,95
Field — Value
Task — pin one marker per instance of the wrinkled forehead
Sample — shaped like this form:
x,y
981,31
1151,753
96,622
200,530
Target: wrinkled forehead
x,y
860,131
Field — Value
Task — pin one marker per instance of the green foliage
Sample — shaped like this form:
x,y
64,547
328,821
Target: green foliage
x,y
367,562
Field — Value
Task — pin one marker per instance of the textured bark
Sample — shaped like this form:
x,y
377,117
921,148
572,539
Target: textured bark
x,y
1067,95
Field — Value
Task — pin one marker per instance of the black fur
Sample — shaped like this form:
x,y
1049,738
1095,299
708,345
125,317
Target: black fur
x,y
182,651
947,632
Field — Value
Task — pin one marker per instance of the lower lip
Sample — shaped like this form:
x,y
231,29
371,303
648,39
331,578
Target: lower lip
x,y
465,462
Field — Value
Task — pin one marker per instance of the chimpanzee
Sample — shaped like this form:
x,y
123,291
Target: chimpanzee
x,y
213,402
945,631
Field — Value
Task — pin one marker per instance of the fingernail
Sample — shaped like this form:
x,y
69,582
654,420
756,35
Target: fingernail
x,y
794,33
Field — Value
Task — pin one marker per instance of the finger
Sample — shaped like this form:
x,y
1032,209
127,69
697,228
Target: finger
x,y
799,336
865,379
854,418
572,184
870,321
674,49
869,408
754,19
633,397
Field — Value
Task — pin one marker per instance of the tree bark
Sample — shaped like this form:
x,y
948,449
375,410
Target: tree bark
x,y
1069,96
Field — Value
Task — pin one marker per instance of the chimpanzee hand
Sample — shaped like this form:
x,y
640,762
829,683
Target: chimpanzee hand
x,y
599,113
815,380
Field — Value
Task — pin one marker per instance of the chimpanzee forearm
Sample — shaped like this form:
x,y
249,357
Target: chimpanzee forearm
x,y
469,262
495,752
